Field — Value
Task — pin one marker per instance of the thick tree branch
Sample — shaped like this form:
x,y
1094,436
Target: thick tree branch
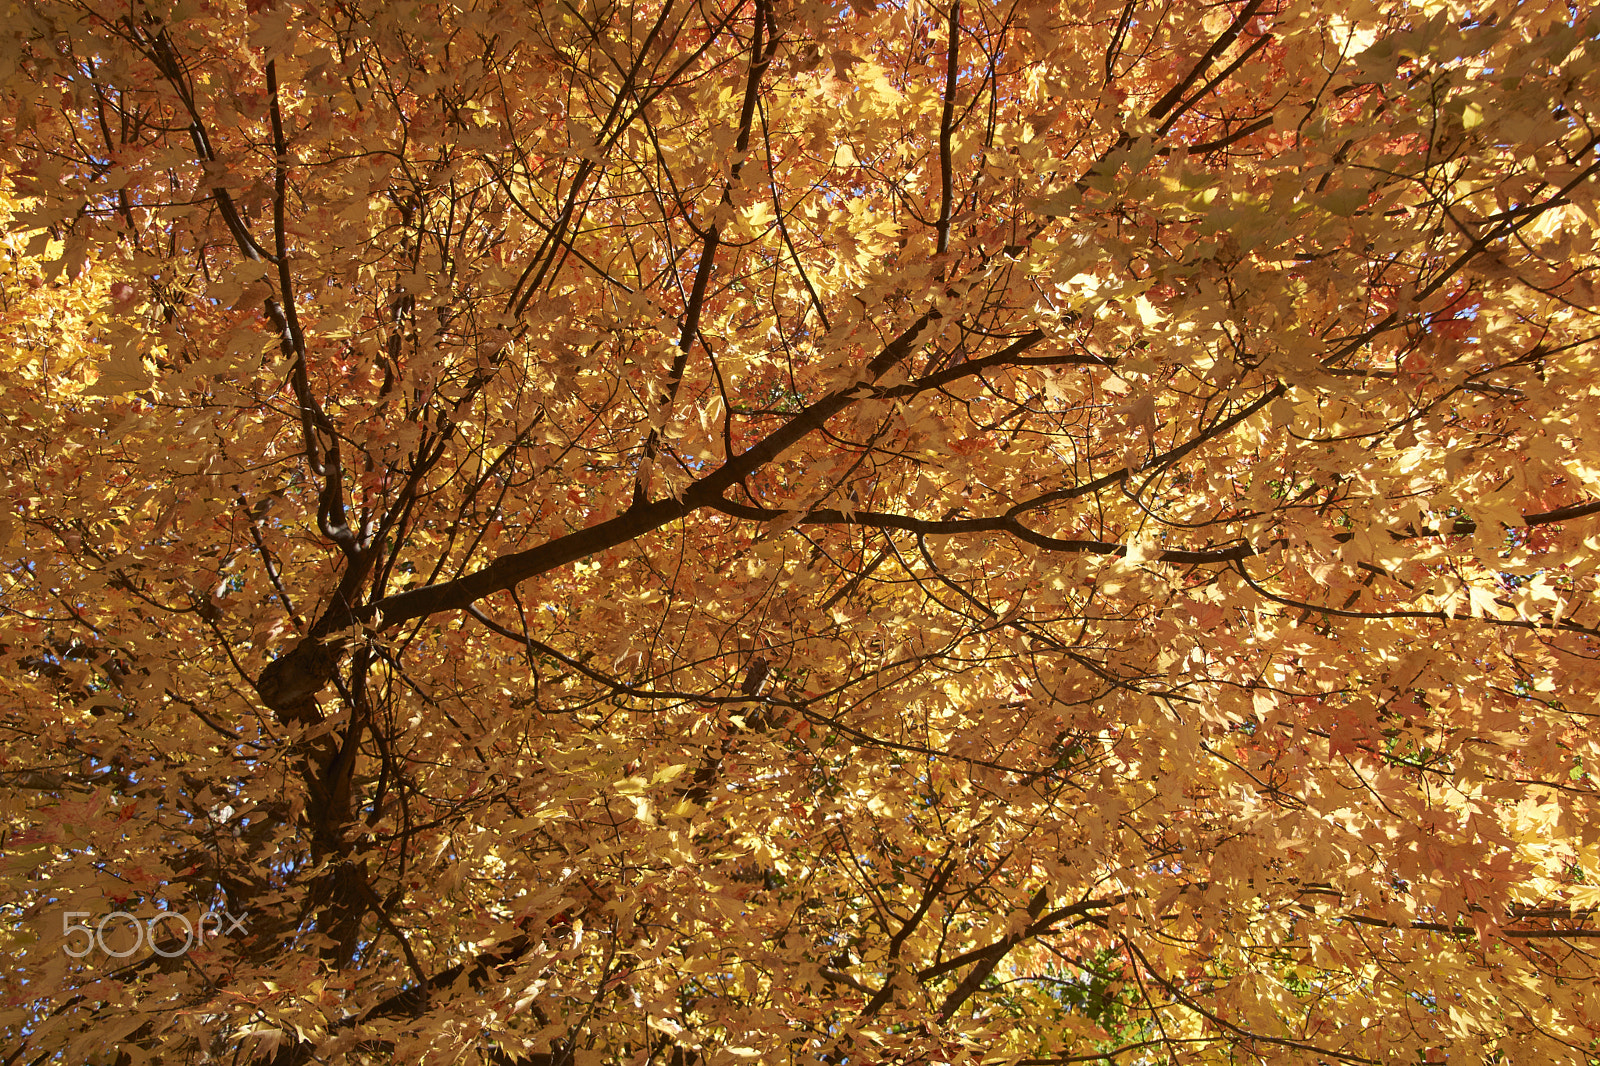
x,y
1170,98
320,436
993,524
947,125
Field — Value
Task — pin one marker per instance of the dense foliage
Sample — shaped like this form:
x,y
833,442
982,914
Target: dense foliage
x,y
708,531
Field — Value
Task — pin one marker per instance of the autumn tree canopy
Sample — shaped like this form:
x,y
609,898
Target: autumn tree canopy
x,y
784,531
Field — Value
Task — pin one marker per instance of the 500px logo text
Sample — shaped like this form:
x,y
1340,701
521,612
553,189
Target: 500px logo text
x,y
221,924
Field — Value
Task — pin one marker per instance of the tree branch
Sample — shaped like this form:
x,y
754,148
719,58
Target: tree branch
x,y
947,127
